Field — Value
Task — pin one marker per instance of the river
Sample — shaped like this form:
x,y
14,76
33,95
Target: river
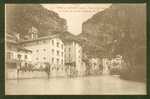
x,y
91,85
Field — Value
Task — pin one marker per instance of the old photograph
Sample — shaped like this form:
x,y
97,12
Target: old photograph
x,y
75,49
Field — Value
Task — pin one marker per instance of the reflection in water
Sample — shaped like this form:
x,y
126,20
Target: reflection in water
x,y
86,85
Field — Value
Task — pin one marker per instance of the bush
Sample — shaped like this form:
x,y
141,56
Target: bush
x,y
136,74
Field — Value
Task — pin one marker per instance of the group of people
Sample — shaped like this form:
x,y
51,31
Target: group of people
x,y
29,67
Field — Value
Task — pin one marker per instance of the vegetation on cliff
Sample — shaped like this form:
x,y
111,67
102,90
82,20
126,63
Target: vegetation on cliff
x,y
20,18
120,29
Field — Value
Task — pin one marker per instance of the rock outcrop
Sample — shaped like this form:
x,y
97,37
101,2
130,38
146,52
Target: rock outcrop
x,y
20,18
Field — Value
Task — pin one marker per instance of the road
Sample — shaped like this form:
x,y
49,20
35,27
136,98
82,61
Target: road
x,y
92,85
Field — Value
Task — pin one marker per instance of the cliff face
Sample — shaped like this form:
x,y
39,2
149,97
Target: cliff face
x,y
120,29
112,25
19,18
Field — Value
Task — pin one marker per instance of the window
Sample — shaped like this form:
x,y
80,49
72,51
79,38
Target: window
x,y
58,53
69,57
52,42
62,46
57,68
44,49
10,47
26,64
61,61
44,41
37,42
9,55
37,50
57,61
44,58
57,44
26,57
79,56
19,56
69,49
79,51
52,60
62,54
52,51
65,50
53,68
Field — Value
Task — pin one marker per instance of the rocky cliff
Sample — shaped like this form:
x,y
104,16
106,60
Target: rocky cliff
x,y
20,18
111,25
120,29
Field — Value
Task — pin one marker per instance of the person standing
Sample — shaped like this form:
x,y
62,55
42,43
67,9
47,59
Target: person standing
x,y
18,67
47,69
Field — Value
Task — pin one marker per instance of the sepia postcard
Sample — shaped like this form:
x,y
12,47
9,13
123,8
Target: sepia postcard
x,y
75,49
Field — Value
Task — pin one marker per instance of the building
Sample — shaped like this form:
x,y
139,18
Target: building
x,y
116,63
83,69
112,66
14,52
48,49
117,59
96,66
31,34
73,58
106,65
16,57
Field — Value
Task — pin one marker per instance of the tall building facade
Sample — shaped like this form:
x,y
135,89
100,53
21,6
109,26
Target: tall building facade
x,y
14,52
48,49
96,65
73,56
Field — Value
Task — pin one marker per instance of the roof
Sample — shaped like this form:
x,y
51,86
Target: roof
x,y
40,38
11,41
24,49
66,42
11,38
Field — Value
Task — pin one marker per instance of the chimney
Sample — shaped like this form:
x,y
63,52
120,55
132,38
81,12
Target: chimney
x,y
33,32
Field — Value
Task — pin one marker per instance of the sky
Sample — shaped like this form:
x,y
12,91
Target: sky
x,y
76,14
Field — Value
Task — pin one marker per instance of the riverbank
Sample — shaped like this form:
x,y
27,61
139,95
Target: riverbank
x,y
12,74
